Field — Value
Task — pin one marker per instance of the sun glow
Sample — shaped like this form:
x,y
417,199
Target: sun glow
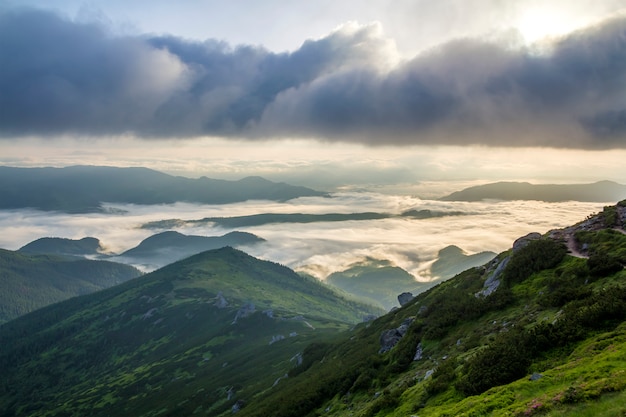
x,y
538,23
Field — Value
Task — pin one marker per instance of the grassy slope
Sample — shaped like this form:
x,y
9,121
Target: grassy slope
x,y
564,321
160,345
30,282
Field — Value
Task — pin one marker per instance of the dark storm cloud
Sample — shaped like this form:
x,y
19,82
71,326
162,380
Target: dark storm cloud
x,y
63,77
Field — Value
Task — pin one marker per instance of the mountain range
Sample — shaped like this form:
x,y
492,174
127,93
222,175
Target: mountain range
x,y
79,189
538,330
601,191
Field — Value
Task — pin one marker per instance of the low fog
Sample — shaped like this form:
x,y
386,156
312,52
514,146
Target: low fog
x,y
323,247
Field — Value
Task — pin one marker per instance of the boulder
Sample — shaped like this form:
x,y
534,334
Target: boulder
x,y
525,240
405,298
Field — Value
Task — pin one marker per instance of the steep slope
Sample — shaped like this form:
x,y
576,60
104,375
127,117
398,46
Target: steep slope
x,y
601,191
167,247
194,337
30,282
85,188
534,332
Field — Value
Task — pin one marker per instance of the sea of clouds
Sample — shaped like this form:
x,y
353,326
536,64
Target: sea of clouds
x,y
318,248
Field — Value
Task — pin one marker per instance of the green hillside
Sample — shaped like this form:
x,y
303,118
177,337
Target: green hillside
x,y
196,336
30,282
536,331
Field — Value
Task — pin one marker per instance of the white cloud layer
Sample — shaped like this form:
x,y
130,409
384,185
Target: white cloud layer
x,y
320,248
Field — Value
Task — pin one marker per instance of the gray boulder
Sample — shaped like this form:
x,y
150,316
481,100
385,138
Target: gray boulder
x,y
405,298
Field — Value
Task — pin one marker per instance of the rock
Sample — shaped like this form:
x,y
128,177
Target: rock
x,y
237,406
276,338
269,313
402,329
279,378
405,298
418,352
297,358
493,282
230,394
149,314
244,311
220,301
429,373
535,376
525,240
389,338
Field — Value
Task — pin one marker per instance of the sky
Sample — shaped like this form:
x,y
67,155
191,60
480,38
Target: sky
x,y
328,94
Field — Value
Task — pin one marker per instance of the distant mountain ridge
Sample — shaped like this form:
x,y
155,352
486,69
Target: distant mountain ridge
x,y
86,246
167,247
601,191
78,189
153,252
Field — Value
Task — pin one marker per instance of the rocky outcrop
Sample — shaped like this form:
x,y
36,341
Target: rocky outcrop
x,y
419,352
389,338
220,301
276,338
405,298
237,406
493,280
525,240
244,311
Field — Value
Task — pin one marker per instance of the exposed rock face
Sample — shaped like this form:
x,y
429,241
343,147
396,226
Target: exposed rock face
x,y
297,358
276,338
493,281
244,311
525,240
405,297
418,352
237,406
389,338
220,301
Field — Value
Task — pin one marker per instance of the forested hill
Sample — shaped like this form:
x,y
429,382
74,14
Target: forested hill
x,y
85,188
30,281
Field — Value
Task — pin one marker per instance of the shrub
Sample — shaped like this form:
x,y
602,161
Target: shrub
x,y
536,256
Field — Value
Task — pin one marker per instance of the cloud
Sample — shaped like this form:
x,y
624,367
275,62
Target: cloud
x,y
63,77
320,248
